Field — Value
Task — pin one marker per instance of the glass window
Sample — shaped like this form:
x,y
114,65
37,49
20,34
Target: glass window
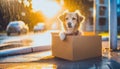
x,y
102,10
118,20
102,21
118,1
102,1
118,9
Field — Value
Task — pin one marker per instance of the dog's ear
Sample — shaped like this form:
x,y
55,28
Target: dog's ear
x,y
80,17
62,17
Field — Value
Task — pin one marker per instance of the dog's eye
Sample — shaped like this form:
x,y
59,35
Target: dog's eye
x,y
66,18
73,18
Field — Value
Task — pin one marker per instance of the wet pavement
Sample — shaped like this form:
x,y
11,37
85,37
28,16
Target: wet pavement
x,y
29,40
62,64
26,57
45,60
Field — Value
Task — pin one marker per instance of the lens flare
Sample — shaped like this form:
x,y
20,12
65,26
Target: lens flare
x,y
48,7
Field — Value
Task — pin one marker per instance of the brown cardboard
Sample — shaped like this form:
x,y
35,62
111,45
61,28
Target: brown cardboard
x,y
76,47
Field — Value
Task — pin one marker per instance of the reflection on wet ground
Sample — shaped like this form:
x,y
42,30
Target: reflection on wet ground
x,y
14,44
37,39
31,39
26,57
44,60
28,66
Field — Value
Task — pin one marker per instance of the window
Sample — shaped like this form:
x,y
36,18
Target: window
x,y
91,20
102,10
118,10
118,21
102,21
118,1
102,1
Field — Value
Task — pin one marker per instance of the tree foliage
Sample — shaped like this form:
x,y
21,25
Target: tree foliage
x,y
11,10
82,5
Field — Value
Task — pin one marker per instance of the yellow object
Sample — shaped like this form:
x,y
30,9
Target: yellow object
x,y
88,33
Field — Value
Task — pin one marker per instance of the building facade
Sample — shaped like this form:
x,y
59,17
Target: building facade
x,y
118,14
101,9
102,16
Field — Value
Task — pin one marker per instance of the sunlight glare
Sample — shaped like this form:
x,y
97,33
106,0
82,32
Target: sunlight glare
x,y
48,7
49,66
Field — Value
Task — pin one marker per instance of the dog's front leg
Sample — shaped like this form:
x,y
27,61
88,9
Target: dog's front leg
x,y
62,35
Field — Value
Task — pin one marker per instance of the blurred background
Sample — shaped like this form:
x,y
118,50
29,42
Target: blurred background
x,y
33,16
37,19
36,11
33,12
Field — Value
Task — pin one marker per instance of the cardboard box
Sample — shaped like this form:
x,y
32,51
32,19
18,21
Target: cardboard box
x,y
76,47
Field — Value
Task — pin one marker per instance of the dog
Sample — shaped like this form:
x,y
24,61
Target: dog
x,y
71,22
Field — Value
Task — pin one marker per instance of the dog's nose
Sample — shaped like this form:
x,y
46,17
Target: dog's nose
x,y
69,24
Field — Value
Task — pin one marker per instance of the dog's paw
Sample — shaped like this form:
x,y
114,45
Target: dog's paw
x,y
62,36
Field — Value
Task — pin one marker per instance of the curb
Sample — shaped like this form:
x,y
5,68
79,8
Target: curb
x,y
23,50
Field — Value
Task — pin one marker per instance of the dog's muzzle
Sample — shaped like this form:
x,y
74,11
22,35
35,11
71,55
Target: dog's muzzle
x,y
69,25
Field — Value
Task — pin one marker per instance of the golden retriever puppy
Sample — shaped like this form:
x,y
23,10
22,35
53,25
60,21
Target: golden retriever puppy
x,y
71,22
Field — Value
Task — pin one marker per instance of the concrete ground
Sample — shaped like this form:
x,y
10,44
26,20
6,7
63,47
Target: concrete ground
x,y
45,60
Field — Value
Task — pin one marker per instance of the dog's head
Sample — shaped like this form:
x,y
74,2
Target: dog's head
x,y
71,20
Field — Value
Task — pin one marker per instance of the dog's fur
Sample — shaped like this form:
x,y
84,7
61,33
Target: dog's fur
x,y
71,22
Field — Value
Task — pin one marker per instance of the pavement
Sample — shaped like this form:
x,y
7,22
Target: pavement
x,y
23,50
37,45
41,58
45,60
30,49
29,57
32,42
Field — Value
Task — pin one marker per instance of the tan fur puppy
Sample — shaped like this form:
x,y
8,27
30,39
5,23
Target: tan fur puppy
x,y
71,22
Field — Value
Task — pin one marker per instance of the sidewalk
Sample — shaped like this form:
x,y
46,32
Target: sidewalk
x,y
44,60
29,49
29,57
23,50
